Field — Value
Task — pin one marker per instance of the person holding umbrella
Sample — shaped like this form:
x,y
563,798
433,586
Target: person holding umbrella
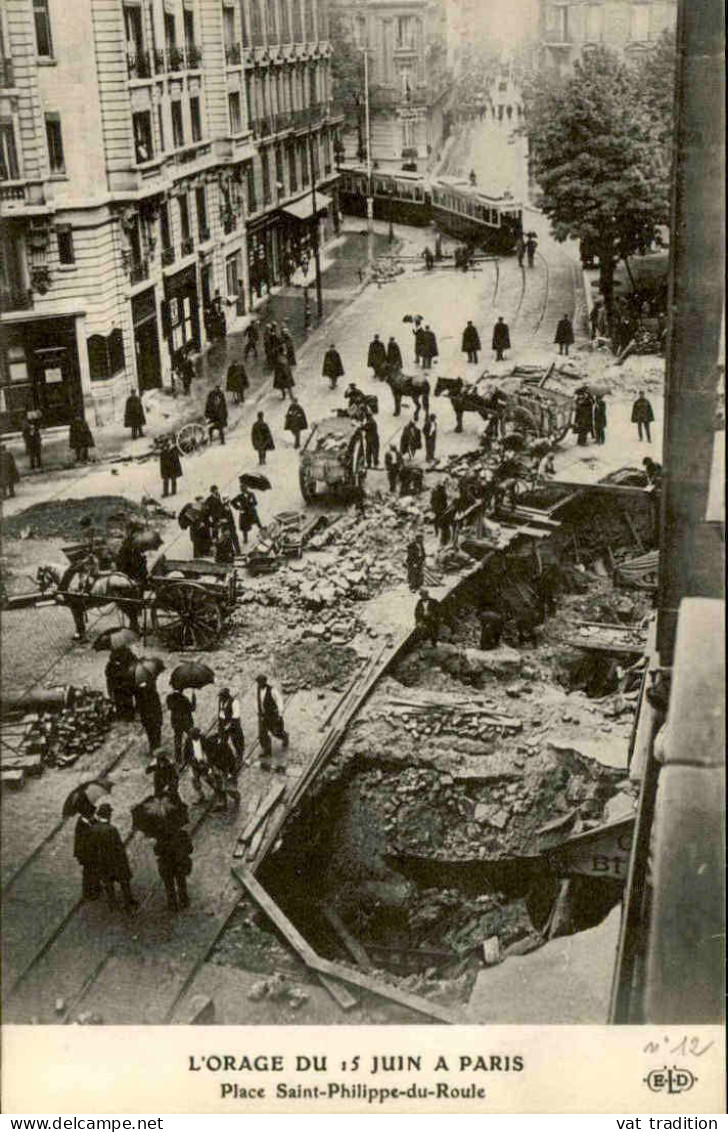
x,y
181,717
148,703
261,438
134,417
270,722
109,858
170,467
246,505
120,682
296,421
173,849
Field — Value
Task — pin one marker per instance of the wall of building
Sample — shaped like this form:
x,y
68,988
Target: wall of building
x,y
627,26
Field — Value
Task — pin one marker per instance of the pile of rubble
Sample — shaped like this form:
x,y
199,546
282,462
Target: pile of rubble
x,y
43,739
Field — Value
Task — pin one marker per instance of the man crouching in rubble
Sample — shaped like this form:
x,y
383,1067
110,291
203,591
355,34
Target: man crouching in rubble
x,y
427,616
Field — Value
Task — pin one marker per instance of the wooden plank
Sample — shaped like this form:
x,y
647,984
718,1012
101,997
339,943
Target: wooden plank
x,y
246,880
265,807
338,992
352,945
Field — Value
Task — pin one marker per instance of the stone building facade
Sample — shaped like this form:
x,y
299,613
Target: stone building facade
x,y
155,153
569,27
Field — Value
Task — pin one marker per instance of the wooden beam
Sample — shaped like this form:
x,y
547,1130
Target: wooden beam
x,y
338,992
264,808
351,944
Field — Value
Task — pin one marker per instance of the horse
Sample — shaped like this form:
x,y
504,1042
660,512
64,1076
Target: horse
x,y
402,385
466,399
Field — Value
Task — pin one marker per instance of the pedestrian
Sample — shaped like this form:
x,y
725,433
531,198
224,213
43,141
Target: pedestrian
x,y
134,417
111,861
187,374
564,335
520,249
173,850
501,338
289,345
643,416
216,412
371,440
531,250
182,718
9,474
165,780
271,344
547,586
149,706
251,335
440,506
282,375
270,722
80,438
429,431
194,756
420,338
201,530
170,467
429,259
33,443
376,356
83,850
237,382
261,438
246,505
230,725
332,367
225,540
296,421
427,616
653,471
429,348
583,416
594,315
416,563
215,507
120,682
491,629
410,440
393,466
600,419
471,342
394,356
224,769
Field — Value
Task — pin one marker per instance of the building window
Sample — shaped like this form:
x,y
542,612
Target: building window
x,y
271,22
164,228
293,180
236,124
9,168
184,216
178,133
228,27
66,254
232,275
55,143
43,39
280,176
250,181
160,123
405,32
134,32
170,32
143,147
561,23
195,119
201,206
189,26
594,23
266,176
304,165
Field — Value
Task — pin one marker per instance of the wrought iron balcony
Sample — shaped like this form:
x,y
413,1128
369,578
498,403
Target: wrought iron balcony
x,y
175,59
283,121
233,54
262,127
15,299
194,57
12,192
168,256
160,61
139,65
7,75
187,247
138,270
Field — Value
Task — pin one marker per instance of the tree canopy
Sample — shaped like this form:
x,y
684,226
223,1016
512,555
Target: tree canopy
x,y
599,158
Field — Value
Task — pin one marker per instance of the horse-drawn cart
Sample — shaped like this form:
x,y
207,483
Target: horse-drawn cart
x,y
191,601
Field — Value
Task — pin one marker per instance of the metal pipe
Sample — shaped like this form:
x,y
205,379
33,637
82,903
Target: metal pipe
x,y
367,129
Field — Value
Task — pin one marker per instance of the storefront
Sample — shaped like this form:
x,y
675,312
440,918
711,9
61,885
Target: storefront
x,y
146,340
263,256
39,370
181,310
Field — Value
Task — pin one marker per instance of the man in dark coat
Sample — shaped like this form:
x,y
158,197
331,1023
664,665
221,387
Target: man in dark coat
x,y
80,438
377,355
9,474
33,443
134,415
429,431
440,506
173,851
83,851
215,507
201,532
270,722
393,466
251,335
132,561
416,562
501,338
411,440
643,416
187,374
332,367
371,440
170,467
394,356
289,346
471,342
216,412
120,683
429,348
261,438
282,375
165,776
271,343
531,250
295,421
237,382
427,616
491,629
149,707
109,855
182,718
600,419
583,416
230,725
420,338
246,505
564,335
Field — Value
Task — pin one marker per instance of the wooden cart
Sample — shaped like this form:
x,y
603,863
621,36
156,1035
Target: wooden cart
x,y
191,601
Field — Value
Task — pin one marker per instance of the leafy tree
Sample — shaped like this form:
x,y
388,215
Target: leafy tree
x,y
347,75
655,87
597,160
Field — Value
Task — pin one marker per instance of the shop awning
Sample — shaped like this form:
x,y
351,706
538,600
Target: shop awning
x,y
302,209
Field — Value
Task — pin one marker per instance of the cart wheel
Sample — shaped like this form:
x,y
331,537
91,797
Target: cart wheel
x,y
306,481
188,615
192,438
358,461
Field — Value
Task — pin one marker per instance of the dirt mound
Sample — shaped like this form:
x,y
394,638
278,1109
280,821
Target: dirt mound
x,y
60,518
317,664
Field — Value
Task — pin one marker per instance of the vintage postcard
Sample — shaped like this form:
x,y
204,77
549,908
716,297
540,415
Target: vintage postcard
x,y
362,458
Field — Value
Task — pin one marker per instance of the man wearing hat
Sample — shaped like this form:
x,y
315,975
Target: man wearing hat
x,y
174,861
246,504
270,722
112,863
166,778
427,616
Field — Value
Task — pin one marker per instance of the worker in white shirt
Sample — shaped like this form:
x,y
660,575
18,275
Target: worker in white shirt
x,y
229,723
195,758
270,722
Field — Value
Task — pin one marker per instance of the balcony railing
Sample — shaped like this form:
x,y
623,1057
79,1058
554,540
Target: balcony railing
x,y
233,54
187,247
175,59
160,61
138,271
282,121
257,38
139,65
262,127
15,299
14,192
194,57
168,256
7,76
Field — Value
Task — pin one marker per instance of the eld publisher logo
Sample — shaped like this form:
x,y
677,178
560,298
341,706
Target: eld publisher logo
x,y
670,1080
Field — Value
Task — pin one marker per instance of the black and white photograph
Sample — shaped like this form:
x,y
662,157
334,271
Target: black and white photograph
x,y
362,561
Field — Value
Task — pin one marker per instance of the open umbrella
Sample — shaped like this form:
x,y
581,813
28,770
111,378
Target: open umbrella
x,y
112,639
147,539
191,674
91,791
189,513
113,585
250,479
156,816
146,670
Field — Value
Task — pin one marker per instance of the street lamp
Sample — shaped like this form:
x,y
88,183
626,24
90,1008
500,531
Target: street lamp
x,y
392,191
314,228
367,130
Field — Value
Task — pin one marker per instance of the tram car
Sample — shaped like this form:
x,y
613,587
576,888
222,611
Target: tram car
x,y
462,210
402,197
